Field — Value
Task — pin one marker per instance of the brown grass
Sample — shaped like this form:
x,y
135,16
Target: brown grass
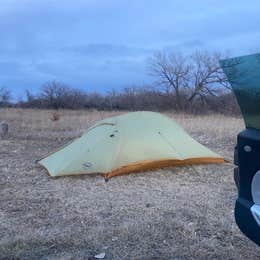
x,y
176,213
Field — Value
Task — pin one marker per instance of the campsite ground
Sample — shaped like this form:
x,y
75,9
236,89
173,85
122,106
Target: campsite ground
x,y
175,213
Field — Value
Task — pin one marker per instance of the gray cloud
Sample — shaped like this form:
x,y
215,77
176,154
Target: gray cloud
x,y
108,50
107,43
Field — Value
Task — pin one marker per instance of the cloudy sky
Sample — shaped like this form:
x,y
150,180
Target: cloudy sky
x,y
98,45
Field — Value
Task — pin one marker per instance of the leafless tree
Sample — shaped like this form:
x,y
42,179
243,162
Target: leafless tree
x,y
53,93
131,99
5,96
207,77
58,95
112,98
196,76
172,72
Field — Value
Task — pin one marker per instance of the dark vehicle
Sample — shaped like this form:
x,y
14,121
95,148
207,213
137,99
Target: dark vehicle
x,y
244,76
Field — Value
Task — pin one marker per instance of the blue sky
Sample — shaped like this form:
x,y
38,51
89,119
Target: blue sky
x,y
98,45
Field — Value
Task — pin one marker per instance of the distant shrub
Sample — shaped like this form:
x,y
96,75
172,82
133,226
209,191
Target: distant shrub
x,y
58,96
55,116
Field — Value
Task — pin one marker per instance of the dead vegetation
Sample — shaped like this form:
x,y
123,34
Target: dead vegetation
x,y
55,116
176,213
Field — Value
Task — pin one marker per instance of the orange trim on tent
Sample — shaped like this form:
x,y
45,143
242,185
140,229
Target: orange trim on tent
x,y
151,165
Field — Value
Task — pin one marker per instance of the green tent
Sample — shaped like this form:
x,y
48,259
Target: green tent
x,y
128,143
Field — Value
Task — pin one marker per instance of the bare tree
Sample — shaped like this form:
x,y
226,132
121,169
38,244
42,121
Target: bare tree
x,y
207,77
57,95
172,72
112,98
5,96
53,94
195,76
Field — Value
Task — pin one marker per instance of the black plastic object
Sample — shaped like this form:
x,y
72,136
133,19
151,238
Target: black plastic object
x,y
243,74
248,165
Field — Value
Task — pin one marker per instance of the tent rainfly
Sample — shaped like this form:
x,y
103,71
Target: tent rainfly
x,y
132,142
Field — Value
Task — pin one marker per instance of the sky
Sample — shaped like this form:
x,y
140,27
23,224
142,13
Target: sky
x,y
98,45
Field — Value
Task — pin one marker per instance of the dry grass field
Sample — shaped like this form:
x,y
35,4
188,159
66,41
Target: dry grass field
x,y
175,213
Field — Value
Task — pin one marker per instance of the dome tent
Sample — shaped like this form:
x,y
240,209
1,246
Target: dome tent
x,y
132,142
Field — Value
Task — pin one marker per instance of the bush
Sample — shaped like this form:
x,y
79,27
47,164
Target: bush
x,y
55,95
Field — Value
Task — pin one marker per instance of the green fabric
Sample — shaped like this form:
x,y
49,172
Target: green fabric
x,y
243,74
123,140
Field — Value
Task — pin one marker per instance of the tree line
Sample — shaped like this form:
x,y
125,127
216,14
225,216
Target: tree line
x,y
193,83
